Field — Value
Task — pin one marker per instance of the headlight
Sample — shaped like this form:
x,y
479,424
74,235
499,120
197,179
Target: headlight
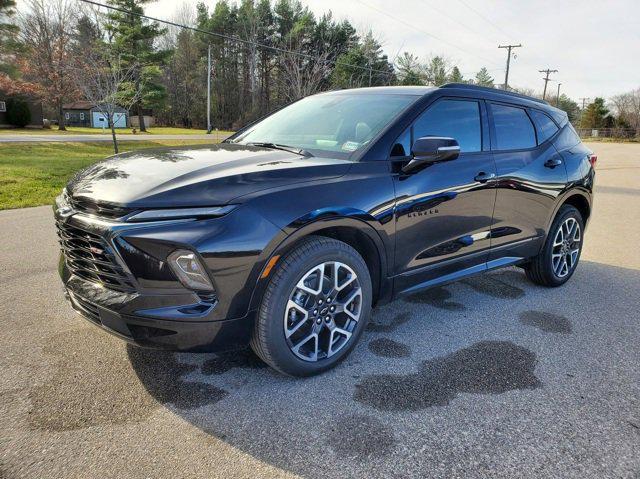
x,y
181,213
62,204
189,270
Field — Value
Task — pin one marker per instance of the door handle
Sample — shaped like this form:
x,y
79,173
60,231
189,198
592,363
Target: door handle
x,y
483,177
553,162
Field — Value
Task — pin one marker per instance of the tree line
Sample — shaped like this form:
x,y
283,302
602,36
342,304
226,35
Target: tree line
x,y
267,53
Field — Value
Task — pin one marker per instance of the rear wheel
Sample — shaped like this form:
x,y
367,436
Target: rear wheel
x,y
559,257
314,309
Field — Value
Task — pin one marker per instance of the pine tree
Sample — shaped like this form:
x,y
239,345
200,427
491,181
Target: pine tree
x,y
133,40
483,78
595,115
409,70
455,76
9,44
436,71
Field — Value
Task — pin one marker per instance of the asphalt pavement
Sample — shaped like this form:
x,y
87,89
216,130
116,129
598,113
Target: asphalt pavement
x,y
488,377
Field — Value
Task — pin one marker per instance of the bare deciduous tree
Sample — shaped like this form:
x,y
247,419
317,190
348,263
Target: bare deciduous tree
x,y
627,108
303,76
107,83
46,28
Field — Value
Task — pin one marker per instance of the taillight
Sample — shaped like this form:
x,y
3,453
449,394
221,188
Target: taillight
x,y
593,159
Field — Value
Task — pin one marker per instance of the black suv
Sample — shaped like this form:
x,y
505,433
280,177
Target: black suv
x,y
285,235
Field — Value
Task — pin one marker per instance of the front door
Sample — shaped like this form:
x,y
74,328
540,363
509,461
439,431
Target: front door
x,y
444,212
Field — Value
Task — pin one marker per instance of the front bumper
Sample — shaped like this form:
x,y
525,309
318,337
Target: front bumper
x,y
108,310
115,275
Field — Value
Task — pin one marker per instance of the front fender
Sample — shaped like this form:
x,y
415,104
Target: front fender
x,y
317,221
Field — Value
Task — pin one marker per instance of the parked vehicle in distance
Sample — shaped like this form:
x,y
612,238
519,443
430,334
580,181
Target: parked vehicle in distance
x,y
287,234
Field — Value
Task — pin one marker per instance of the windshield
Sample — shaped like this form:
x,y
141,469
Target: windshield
x,y
335,125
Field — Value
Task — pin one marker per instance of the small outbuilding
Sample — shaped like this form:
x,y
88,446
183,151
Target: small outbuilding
x,y
86,113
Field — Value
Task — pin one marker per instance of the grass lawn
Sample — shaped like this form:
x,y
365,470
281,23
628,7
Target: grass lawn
x,y
160,130
33,174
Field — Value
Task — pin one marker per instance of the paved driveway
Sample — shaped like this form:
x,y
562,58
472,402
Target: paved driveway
x,y
489,377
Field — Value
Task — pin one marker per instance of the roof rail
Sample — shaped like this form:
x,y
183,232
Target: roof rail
x,y
467,86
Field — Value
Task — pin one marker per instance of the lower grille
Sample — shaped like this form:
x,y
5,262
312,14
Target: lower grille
x,y
89,257
87,309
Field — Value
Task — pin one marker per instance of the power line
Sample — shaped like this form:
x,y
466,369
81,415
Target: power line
x,y
383,12
546,80
454,19
506,75
463,2
236,39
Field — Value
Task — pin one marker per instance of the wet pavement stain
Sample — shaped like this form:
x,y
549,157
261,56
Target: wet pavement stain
x,y
360,437
545,321
95,380
398,320
437,297
492,285
487,367
242,358
388,348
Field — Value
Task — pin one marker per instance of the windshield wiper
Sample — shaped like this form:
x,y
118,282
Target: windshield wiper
x,y
277,146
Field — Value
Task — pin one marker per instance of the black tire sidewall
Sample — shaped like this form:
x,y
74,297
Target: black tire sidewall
x,y
272,309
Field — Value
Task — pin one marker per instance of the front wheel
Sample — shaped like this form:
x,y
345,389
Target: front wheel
x,y
559,257
314,309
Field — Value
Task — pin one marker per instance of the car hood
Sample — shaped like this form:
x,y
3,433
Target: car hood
x,y
204,175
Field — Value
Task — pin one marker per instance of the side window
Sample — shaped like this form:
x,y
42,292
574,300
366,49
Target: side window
x,y
402,146
514,130
459,119
545,125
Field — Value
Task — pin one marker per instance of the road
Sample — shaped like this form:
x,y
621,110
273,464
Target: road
x,y
7,138
489,377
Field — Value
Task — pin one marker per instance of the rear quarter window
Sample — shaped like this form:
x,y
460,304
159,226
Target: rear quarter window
x,y
545,126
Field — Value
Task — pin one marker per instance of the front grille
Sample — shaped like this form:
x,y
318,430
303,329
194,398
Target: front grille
x,y
89,257
103,210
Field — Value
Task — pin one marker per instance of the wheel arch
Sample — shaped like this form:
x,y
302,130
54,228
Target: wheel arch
x,y
576,197
354,232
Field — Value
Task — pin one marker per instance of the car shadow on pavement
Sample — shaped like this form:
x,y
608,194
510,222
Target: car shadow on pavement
x,y
440,388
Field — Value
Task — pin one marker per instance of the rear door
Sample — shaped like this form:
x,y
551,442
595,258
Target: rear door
x,y
444,211
531,175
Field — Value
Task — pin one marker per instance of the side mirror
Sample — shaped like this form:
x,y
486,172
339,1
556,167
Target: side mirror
x,y
431,149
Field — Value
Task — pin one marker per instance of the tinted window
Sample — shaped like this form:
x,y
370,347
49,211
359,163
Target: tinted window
x,y
459,119
545,125
514,129
330,124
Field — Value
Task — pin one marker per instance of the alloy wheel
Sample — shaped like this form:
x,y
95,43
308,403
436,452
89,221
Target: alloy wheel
x,y
323,311
566,247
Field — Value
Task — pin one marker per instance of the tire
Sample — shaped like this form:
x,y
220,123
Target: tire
x,y
545,269
281,323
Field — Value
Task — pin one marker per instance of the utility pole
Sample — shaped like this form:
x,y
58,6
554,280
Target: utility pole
x,y
506,75
209,90
584,100
558,97
546,80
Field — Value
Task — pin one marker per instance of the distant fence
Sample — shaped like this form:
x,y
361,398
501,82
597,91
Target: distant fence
x,y
626,133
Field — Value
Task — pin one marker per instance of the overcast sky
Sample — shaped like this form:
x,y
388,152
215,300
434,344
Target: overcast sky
x,y
594,44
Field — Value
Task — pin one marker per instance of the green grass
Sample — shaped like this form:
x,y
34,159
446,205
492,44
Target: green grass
x,y
33,174
76,130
